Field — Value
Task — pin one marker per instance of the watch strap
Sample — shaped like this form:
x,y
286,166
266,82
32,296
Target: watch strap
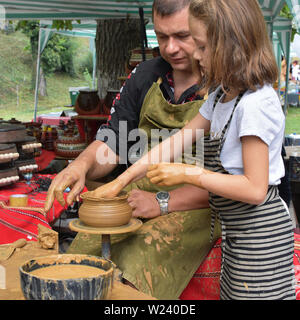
x,y
163,208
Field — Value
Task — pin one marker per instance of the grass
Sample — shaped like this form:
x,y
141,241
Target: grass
x,y
292,123
16,95
58,97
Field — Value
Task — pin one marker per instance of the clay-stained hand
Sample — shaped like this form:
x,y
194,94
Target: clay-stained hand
x,y
143,204
108,190
72,177
170,174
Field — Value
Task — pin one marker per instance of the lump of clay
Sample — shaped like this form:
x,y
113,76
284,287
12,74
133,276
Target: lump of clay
x,y
47,238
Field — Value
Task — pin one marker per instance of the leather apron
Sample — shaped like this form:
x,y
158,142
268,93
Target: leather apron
x,y
162,256
257,240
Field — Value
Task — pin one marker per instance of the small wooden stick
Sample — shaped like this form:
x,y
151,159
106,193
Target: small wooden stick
x,y
40,210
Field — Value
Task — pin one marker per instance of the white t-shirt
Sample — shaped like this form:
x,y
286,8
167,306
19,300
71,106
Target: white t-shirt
x,y
258,114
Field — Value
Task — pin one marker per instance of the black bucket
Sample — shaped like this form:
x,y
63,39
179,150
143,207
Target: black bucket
x,y
83,288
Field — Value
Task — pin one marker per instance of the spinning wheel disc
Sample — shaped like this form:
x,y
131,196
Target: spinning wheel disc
x,y
131,226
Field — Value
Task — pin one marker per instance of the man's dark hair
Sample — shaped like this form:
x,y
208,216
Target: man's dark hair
x,y
168,7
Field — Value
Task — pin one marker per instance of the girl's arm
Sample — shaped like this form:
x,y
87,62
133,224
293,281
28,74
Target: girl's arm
x,y
251,187
158,154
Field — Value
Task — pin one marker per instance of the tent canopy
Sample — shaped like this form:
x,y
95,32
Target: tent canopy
x,y
74,9
95,9
272,8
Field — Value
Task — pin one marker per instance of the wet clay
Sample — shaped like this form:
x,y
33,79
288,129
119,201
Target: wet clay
x,y
105,212
67,271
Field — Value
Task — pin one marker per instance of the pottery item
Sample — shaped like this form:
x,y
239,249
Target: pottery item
x,y
10,133
14,121
105,212
8,176
29,147
18,200
32,124
69,143
51,284
24,166
136,56
88,102
108,101
69,147
8,152
49,140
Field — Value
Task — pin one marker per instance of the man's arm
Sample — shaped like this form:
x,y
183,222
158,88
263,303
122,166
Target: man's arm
x,y
98,170
188,197
85,165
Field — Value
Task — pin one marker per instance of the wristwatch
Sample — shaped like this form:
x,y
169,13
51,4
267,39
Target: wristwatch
x,y
162,198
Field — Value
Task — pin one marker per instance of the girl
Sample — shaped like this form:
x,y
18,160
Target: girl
x,y
242,154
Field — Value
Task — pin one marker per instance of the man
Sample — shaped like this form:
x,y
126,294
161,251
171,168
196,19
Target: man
x,y
162,256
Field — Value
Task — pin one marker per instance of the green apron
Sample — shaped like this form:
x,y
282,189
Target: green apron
x,y
161,257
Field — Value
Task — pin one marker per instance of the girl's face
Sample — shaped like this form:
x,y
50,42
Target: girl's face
x,y
198,32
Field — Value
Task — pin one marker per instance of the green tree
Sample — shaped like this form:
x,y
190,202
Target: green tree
x,y
285,12
57,55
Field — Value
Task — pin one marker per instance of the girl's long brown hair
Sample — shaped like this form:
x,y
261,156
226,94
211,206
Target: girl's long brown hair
x,y
241,52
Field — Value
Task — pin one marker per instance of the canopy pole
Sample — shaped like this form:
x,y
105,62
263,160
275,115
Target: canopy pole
x,y
143,33
94,66
287,76
37,78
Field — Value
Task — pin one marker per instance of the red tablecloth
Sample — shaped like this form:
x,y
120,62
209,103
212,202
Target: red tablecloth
x,y
52,120
44,159
15,223
205,284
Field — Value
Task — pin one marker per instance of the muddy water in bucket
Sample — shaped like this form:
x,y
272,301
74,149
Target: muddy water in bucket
x,y
108,212
67,277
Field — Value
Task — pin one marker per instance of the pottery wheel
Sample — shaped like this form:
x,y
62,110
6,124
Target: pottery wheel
x,y
78,226
131,226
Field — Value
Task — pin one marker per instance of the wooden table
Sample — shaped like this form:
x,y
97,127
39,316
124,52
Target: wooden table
x,y
31,250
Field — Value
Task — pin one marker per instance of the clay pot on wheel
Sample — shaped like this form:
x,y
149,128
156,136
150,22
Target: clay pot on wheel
x,y
88,102
100,212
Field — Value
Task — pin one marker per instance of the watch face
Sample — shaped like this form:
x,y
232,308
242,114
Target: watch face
x,y
162,195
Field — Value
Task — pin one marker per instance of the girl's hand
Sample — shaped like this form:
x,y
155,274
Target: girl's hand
x,y
169,174
108,190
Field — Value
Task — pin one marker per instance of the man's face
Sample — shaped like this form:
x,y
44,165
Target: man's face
x,y
175,42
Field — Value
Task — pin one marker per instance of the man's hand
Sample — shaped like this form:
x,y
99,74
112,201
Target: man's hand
x,y
143,204
74,177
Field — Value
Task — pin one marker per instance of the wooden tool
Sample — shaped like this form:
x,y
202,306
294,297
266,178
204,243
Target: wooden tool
x,y
40,210
7,251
